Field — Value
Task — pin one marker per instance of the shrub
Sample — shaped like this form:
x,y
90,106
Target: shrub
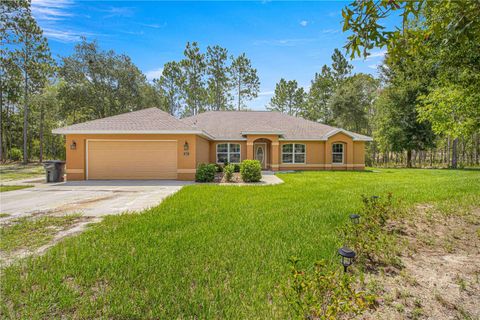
x,y
373,238
251,170
218,167
322,293
15,154
205,172
228,170
237,167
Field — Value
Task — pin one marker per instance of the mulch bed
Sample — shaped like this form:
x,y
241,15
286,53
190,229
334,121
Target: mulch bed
x,y
220,178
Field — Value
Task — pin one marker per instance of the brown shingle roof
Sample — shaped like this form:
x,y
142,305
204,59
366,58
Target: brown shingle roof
x,y
145,120
231,124
216,125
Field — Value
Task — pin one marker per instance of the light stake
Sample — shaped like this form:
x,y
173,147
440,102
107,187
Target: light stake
x,y
348,256
355,218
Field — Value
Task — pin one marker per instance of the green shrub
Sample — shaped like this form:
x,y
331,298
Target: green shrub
x,y
218,167
237,167
205,172
374,238
251,170
15,154
323,293
228,170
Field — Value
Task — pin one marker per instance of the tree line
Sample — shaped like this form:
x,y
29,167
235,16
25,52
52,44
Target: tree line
x,y
422,109
38,94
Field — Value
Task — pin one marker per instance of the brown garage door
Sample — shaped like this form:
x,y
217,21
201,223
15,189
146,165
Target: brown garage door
x,y
132,159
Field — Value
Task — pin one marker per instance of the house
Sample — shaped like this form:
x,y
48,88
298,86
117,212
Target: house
x,y
151,144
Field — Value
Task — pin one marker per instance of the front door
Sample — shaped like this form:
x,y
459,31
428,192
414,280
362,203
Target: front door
x,y
260,154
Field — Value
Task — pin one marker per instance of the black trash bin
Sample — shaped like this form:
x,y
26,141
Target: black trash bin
x,y
54,170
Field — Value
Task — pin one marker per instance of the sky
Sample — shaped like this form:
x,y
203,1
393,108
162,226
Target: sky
x,y
290,40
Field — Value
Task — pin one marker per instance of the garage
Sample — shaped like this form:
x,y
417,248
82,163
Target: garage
x,y
131,159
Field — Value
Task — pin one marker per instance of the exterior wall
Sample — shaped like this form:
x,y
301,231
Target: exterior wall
x,y
202,153
213,149
76,159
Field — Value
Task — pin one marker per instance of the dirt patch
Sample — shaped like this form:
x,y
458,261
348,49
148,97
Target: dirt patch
x,y
441,274
9,257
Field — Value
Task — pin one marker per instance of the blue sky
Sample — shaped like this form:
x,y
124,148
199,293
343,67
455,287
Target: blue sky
x,y
283,39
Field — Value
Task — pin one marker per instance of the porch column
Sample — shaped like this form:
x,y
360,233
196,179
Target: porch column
x,y
250,149
275,154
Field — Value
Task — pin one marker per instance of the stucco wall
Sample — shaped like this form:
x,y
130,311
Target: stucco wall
x,y
76,160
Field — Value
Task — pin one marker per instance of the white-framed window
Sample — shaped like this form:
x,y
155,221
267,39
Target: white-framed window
x,y
293,153
337,153
228,152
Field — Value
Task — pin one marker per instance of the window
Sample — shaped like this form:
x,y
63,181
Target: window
x,y
293,153
337,153
228,152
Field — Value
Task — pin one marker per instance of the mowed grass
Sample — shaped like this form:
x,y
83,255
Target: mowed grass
x,y
210,251
17,171
30,233
13,188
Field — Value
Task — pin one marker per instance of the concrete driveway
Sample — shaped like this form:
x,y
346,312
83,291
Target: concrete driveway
x,y
91,198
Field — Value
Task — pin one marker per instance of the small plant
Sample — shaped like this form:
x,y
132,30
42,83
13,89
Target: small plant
x,y
325,294
15,154
218,167
373,239
251,170
205,172
237,167
228,171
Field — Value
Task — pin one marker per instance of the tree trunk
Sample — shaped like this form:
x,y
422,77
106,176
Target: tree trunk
x,y
40,156
1,122
25,120
454,153
239,93
409,158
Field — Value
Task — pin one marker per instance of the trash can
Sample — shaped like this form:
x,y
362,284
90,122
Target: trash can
x,y
54,170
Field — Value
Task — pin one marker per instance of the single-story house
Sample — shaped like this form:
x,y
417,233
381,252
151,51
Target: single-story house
x,y
151,144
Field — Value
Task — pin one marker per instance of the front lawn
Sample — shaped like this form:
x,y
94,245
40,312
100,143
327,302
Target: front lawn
x,y
17,171
211,251
13,188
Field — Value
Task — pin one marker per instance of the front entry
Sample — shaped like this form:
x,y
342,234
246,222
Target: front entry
x,y
260,150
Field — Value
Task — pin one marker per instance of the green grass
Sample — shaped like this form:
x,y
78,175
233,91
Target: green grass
x,y
210,251
12,188
19,171
31,233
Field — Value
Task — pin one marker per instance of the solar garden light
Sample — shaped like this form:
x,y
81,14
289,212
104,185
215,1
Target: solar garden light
x,y
355,218
375,198
348,256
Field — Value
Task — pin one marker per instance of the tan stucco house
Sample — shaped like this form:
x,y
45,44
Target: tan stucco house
x,y
151,144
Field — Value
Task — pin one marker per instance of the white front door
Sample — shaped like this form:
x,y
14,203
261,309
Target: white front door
x,y
260,154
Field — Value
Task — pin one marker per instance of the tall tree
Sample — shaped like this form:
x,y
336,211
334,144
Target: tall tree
x,y
352,101
34,60
341,68
100,83
245,81
194,69
169,85
321,90
219,84
288,98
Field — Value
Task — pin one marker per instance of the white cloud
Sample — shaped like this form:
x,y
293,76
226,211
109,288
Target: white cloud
x,y
284,42
373,55
51,10
154,74
374,66
266,93
304,23
64,35
330,31
155,25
